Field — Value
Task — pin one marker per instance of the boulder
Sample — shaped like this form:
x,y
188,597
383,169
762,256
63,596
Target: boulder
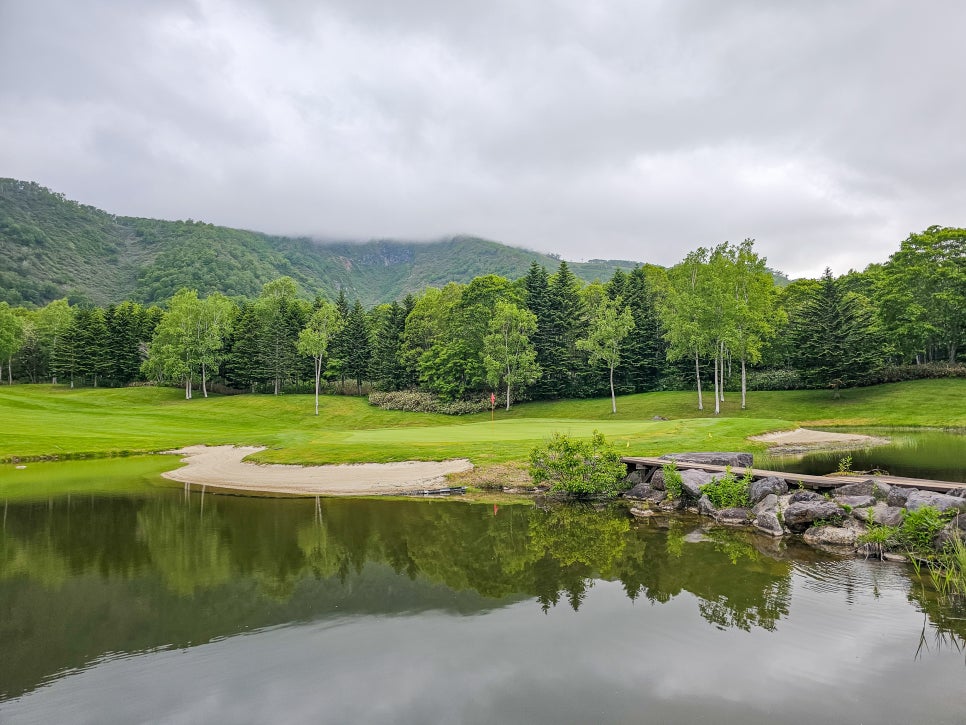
x,y
833,535
805,495
768,523
636,476
898,495
800,515
692,481
861,488
705,507
881,490
917,499
656,496
768,503
657,480
957,492
955,529
881,514
734,517
639,491
856,502
742,460
765,486
641,513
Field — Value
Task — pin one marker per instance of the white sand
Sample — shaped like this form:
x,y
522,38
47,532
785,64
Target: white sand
x,y
221,467
805,438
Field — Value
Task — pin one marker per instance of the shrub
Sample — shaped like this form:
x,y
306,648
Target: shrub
x,y
920,527
415,401
672,480
728,491
578,468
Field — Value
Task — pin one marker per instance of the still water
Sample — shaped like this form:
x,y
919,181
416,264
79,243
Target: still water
x,y
915,453
160,606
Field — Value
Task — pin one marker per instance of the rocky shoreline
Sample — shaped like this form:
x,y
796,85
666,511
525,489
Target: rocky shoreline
x,y
836,516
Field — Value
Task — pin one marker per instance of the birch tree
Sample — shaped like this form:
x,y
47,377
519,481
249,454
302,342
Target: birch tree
x,y
325,323
509,354
611,323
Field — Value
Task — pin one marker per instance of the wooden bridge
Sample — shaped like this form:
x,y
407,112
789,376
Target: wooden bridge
x,y
809,481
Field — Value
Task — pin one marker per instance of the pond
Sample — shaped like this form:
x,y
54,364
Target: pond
x,y
150,604
914,453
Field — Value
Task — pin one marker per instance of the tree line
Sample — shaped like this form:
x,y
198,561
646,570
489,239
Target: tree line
x,y
714,321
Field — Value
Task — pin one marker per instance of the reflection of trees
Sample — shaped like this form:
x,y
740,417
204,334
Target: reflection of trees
x,y
275,545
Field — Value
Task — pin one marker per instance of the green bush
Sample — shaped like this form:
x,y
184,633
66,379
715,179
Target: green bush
x,y
578,468
920,527
728,491
415,401
672,480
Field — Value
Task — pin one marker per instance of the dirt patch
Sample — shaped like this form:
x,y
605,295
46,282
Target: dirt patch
x,y
222,467
803,440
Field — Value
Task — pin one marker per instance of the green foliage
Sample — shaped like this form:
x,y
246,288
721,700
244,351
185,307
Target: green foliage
x,y
578,468
415,401
845,464
508,353
729,491
920,527
673,482
610,324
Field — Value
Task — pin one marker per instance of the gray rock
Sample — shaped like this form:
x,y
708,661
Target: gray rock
x,y
657,480
705,507
898,495
636,476
765,486
881,514
734,516
861,488
692,481
918,499
768,523
856,502
656,496
832,535
800,515
881,490
641,513
955,529
640,491
805,495
768,503
957,492
743,460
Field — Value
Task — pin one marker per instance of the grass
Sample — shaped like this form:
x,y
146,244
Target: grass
x,y
43,420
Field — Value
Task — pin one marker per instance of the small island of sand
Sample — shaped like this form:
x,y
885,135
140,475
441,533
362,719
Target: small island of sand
x,y
802,440
223,468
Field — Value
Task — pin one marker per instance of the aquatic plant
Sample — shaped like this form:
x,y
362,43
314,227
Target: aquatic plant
x,y
673,483
729,491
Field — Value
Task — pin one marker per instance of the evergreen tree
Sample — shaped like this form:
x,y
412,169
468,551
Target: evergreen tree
x,y
835,340
341,346
387,371
567,324
243,367
537,285
358,354
279,327
126,328
643,352
93,352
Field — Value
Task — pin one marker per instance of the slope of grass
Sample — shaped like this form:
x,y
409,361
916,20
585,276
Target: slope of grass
x,y
55,421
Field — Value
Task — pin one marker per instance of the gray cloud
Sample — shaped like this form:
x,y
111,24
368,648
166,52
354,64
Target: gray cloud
x,y
827,131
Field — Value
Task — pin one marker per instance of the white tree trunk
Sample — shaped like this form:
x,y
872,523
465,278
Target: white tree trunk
x,y
613,400
10,371
722,373
717,400
187,387
697,375
318,375
744,382
204,381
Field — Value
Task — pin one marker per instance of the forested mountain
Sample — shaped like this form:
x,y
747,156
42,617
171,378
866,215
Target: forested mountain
x,y
51,247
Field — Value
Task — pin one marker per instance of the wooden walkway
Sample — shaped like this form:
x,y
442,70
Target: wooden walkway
x,y
635,462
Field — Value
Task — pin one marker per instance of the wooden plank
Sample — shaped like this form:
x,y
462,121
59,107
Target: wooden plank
x,y
805,479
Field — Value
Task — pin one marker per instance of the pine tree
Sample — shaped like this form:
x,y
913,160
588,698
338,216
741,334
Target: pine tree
x,y
537,285
567,366
358,355
835,340
93,353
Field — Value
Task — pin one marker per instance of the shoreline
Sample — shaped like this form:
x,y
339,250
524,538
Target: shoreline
x,y
223,469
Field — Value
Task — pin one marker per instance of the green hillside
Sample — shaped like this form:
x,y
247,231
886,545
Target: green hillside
x,y
51,247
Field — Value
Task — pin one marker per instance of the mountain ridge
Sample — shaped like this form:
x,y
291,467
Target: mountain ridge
x,y
52,247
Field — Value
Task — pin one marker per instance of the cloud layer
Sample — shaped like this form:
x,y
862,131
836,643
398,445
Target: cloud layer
x,y
638,130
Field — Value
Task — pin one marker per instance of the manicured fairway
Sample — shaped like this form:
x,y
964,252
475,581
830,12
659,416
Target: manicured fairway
x,y
55,421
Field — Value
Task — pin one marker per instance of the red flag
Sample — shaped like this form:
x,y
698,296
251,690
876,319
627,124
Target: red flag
x,y
492,398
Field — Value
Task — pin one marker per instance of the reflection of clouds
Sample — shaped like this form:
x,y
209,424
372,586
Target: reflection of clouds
x,y
612,660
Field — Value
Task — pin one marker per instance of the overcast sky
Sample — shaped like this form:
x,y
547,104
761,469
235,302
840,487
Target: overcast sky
x,y
826,130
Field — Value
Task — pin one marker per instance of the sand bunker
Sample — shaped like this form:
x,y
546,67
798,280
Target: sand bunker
x,y
803,439
221,467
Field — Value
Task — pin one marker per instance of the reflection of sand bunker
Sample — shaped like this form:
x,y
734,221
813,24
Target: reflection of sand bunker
x,y
222,467
803,439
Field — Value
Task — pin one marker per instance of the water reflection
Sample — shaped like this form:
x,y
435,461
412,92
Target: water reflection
x,y
83,577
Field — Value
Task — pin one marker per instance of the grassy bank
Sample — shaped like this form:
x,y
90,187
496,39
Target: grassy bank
x,y
55,421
